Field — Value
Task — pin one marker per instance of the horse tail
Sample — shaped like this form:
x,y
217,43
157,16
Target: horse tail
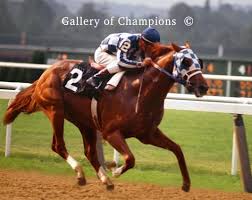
x,y
22,103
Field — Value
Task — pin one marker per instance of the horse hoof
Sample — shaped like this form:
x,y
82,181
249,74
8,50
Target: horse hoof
x,y
81,181
186,187
110,186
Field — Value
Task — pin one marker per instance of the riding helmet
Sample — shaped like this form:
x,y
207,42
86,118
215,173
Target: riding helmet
x,y
150,35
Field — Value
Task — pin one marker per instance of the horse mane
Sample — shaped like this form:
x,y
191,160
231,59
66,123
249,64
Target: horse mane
x,y
160,50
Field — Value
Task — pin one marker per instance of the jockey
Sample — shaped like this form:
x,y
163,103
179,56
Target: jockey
x,y
121,51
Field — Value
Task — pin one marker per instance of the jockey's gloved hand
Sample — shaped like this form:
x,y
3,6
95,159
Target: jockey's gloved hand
x,y
140,64
147,62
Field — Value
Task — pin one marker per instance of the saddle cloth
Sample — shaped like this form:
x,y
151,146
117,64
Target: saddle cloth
x,y
75,80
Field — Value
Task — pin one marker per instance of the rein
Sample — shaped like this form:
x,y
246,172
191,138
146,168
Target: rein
x,y
175,78
139,92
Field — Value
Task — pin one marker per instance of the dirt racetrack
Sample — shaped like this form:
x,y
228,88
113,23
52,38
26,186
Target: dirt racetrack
x,y
30,185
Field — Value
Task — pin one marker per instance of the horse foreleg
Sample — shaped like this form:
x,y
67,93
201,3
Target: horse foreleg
x,y
56,117
99,148
117,141
90,147
158,139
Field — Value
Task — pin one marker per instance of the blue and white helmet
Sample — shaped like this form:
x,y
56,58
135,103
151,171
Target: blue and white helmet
x,y
150,35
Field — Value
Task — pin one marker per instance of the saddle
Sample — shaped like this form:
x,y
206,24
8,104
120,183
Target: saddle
x,y
75,80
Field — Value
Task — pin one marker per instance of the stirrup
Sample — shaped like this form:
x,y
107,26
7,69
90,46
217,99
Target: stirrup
x,y
99,85
93,82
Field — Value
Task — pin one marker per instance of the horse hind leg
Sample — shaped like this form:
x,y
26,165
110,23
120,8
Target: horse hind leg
x,y
56,117
89,140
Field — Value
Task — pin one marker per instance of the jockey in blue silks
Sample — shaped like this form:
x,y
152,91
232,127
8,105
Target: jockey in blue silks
x,y
121,51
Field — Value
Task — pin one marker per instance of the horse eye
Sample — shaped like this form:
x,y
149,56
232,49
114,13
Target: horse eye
x,y
186,63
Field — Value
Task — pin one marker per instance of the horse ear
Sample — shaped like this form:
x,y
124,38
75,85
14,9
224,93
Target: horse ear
x,y
187,45
201,63
176,47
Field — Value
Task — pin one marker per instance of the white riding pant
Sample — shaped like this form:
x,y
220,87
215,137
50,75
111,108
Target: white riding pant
x,y
107,60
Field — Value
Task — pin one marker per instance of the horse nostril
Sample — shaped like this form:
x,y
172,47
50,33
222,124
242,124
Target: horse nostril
x,y
203,88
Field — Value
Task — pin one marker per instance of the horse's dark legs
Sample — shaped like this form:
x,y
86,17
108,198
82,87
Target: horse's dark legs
x,y
99,149
89,140
56,117
160,140
54,144
119,143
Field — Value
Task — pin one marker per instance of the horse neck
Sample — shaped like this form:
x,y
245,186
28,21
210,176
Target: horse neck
x,y
159,50
157,84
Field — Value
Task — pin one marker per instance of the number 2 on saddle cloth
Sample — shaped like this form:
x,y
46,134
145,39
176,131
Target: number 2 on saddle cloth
x,y
75,81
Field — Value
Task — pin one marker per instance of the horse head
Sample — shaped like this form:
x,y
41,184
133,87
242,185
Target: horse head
x,y
181,64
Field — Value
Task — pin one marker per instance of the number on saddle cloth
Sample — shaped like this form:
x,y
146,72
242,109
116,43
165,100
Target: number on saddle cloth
x,y
75,80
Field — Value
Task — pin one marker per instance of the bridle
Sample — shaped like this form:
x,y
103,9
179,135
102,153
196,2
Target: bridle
x,y
182,75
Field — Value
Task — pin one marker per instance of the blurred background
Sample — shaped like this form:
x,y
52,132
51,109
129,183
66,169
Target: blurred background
x,y
31,31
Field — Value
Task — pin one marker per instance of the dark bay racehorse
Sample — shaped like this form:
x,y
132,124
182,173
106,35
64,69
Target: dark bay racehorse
x,y
116,109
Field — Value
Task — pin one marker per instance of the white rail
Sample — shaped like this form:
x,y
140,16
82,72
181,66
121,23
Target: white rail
x,y
227,78
8,94
13,85
222,99
205,106
23,65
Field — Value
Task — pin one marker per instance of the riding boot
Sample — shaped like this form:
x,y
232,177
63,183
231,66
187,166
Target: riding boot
x,y
96,80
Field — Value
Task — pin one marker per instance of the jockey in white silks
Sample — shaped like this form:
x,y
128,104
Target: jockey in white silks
x,y
121,51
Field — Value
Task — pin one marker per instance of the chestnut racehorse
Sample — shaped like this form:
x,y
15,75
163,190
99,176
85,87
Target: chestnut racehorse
x,y
116,109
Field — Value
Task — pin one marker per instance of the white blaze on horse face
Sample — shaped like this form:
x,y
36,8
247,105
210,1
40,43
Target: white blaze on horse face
x,y
72,162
